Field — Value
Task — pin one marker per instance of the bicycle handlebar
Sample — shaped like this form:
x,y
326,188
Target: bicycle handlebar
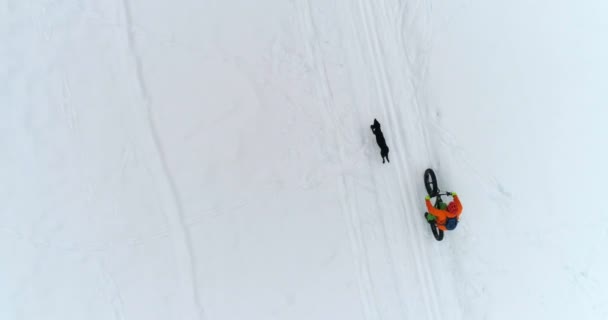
x,y
439,194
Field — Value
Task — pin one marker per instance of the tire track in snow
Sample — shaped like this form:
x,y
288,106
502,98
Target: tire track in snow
x,y
66,106
115,298
386,181
416,55
360,255
172,204
381,79
404,32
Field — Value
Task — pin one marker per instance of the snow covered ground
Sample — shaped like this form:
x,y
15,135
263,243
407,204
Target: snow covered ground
x,y
213,159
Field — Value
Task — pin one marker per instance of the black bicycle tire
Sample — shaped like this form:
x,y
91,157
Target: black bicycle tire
x,y
437,233
433,189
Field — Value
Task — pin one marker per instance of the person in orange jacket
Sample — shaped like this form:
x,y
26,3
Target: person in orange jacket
x,y
447,217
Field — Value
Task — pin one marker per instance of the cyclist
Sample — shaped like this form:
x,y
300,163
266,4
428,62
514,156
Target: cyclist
x,y
445,218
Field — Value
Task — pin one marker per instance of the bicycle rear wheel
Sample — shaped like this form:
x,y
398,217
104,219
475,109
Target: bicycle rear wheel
x,y
437,233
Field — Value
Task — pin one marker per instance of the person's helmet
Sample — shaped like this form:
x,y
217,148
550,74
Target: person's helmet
x,y
452,207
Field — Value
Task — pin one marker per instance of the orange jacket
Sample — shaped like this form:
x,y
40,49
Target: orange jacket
x,y
442,215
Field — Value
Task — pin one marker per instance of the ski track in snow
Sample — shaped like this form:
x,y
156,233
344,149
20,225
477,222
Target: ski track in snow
x,y
369,22
173,211
66,106
348,207
114,296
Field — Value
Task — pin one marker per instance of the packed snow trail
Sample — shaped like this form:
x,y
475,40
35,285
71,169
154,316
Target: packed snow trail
x,y
405,228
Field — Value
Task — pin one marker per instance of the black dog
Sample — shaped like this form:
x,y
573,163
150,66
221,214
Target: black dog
x,y
380,140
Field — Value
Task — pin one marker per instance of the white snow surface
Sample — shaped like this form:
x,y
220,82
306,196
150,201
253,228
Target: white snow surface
x,y
205,160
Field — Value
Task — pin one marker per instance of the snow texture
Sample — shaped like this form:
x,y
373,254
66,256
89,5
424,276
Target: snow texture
x,y
205,160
